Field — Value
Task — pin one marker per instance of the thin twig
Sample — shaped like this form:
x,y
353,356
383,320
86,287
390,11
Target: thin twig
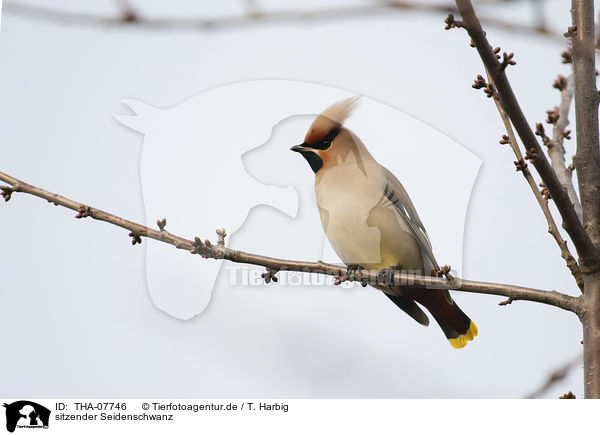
x,y
219,251
556,149
541,199
128,13
556,376
585,248
255,17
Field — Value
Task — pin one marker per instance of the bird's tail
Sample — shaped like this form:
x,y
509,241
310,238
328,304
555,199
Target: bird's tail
x,y
458,328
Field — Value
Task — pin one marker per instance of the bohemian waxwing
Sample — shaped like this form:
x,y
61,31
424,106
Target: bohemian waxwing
x,y
371,222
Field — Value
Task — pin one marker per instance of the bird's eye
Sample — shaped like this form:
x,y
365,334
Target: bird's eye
x,y
326,144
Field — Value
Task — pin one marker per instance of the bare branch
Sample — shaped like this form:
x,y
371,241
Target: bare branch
x,y
255,16
556,149
587,251
219,251
252,7
128,13
556,376
542,199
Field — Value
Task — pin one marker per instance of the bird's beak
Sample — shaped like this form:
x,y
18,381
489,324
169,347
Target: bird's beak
x,y
299,148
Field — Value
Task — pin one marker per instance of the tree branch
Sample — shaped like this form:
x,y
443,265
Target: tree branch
x,y
556,376
128,13
587,251
587,159
219,251
254,16
541,199
556,149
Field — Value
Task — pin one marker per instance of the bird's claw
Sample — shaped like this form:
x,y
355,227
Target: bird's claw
x,y
353,271
352,274
386,276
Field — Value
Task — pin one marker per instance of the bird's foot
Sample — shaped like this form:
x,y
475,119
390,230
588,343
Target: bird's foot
x,y
386,276
353,274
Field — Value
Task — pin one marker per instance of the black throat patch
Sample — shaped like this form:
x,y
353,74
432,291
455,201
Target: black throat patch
x,y
313,160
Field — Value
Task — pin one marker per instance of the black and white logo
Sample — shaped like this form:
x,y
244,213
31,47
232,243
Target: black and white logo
x,y
25,414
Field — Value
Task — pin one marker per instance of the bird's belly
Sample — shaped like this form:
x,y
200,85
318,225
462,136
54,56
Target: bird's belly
x,y
352,239
363,232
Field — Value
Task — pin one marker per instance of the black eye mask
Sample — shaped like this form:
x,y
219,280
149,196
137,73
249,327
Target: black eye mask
x,y
325,143
306,149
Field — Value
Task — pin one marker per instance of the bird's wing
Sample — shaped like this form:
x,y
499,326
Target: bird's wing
x,y
395,192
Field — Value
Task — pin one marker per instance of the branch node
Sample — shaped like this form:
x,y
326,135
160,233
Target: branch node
x,y
490,91
553,116
451,23
135,238
506,302
504,140
530,155
567,57
445,271
221,233
162,223
7,192
568,395
128,14
83,211
480,83
521,165
545,193
507,60
269,275
571,31
539,131
200,248
560,83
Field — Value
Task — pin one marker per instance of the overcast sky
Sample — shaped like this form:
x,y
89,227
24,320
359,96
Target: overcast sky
x,y
84,313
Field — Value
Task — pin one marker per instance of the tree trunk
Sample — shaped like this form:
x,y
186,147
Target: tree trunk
x,y
587,163
590,319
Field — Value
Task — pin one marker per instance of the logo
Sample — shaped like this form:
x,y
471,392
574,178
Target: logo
x,y
26,414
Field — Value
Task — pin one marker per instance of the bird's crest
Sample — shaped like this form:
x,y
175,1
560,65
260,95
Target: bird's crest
x,y
332,117
340,111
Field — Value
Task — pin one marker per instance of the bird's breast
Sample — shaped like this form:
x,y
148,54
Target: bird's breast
x,y
361,224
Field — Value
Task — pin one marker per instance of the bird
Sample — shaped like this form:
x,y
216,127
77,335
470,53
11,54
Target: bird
x,y
371,222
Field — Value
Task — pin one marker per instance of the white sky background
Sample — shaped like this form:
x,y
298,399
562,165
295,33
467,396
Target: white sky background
x,y
76,317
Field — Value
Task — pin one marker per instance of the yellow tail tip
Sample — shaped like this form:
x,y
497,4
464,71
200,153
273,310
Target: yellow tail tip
x,y
461,341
